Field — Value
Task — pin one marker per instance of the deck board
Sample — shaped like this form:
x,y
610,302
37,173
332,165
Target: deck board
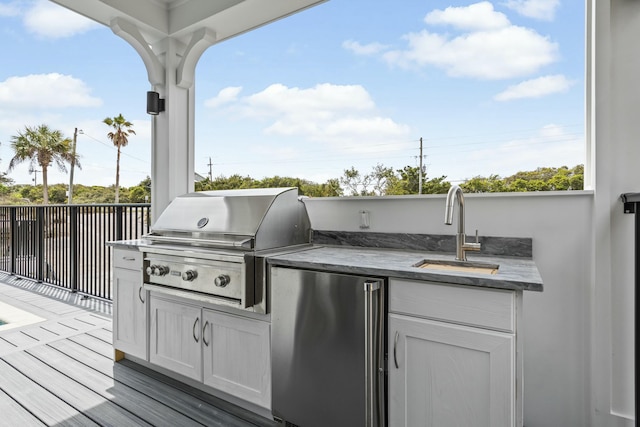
x,y
60,372
19,339
41,334
196,409
126,397
6,346
41,403
14,414
101,334
76,395
58,328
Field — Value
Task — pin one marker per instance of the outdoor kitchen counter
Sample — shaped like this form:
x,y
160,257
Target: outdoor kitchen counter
x,y
514,273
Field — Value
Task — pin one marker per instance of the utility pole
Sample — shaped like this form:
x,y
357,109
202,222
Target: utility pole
x,y
73,163
210,175
35,176
420,170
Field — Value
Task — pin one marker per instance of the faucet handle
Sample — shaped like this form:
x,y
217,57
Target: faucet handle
x,y
468,246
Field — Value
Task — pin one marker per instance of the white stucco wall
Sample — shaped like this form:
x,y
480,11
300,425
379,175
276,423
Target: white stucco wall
x,y
557,321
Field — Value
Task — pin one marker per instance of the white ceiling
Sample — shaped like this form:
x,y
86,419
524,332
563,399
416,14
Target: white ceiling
x,y
158,19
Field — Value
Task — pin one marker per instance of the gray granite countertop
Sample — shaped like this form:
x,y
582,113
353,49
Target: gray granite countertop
x,y
514,273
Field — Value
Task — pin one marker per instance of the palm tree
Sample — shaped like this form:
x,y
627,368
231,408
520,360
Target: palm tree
x,y
42,146
119,137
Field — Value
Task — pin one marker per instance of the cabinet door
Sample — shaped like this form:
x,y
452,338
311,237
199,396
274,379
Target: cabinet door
x,y
449,375
129,317
175,334
237,356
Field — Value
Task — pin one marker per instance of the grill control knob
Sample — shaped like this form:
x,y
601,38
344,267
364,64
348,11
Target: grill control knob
x,y
162,270
222,280
158,270
189,275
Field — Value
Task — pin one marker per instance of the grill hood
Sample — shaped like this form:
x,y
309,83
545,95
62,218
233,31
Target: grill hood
x,y
251,219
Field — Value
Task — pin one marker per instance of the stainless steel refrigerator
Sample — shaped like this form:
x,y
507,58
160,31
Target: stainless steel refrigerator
x,y
327,349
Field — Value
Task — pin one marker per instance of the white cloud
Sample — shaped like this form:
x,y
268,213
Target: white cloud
x,y
334,114
553,146
48,19
367,49
46,91
225,96
498,54
322,100
538,9
536,88
475,17
485,45
9,9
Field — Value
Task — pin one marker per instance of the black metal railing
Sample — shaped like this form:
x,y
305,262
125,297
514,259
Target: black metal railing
x,y
64,245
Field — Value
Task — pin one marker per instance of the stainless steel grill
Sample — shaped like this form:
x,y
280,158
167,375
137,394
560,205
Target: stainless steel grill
x,y
211,245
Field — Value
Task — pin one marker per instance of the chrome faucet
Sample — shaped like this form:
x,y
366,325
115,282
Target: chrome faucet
x,y
455,193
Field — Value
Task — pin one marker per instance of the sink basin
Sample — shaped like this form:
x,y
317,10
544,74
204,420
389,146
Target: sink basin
x,y
458,266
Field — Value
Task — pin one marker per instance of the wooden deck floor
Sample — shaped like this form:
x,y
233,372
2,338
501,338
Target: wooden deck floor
x,y
59,371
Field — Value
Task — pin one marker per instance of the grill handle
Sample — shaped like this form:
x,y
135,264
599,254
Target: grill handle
x,y
244,243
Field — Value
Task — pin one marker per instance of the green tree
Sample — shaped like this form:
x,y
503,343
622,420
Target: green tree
x,y
42,146
141,193
58,193
120,138
406,182
478,184
331,188
137,195
354,183
375,183
437,185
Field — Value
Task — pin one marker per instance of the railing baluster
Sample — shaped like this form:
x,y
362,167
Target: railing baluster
x,y
74,257
64,245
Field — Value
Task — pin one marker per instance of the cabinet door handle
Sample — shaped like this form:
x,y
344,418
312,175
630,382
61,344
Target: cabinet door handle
x,y
194,330
204,333
395,350
140,294
128,258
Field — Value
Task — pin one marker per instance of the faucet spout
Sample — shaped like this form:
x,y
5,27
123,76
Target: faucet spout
x,y
455,195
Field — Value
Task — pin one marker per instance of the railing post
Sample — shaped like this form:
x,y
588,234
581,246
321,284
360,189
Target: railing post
x,y
13,227
73,243
119,221
40,243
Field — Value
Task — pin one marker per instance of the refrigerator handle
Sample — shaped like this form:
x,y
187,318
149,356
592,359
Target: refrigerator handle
x,y
395,350
374,342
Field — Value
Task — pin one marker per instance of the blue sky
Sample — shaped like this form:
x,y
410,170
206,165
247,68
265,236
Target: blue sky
x,y
491,87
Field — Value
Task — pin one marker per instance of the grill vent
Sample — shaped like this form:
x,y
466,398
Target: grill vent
x,y
288,424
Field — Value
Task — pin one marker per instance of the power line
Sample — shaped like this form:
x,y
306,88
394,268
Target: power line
x,y
113,147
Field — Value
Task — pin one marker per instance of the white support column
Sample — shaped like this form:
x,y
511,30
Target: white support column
x,y
171,69
615,130
172,133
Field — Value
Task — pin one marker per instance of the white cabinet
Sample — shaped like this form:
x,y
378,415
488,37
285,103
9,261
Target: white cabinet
x,y
175,336
224,351
237,356
129,304
453,357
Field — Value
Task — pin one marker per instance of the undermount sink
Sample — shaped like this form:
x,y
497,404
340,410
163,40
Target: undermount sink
x,y
459,266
